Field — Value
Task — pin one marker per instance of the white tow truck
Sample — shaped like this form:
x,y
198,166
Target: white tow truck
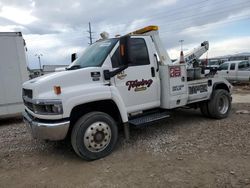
x,y
117,82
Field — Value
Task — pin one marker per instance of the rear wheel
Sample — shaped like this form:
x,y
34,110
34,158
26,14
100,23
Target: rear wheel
x,y
220,104
94,135
204,109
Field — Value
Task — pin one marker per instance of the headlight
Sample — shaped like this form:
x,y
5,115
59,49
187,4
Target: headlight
x,y
57,108
48,107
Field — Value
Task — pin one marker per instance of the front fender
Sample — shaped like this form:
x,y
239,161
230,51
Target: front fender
x,y
116,97
87,94
84,94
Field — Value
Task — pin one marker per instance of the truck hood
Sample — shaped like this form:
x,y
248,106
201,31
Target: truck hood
x,y
43,86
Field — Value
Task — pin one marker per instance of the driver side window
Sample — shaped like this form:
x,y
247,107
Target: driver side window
x,y
115,59
138,52
224,66
243,65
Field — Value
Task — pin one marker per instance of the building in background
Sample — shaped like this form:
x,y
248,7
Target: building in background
x,y
239,56
222,59
46,69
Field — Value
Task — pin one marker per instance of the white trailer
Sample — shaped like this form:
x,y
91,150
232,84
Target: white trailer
x,y
13,72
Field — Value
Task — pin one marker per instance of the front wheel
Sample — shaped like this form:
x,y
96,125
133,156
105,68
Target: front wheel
x,y
94,135
220,104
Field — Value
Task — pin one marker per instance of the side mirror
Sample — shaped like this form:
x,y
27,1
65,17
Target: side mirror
x,y
125,50
73,57
109,74
106,74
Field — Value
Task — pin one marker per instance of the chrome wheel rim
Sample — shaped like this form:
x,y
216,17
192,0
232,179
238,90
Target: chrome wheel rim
x,y
97,136
223,104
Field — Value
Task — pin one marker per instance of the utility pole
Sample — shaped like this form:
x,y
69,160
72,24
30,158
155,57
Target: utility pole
x,y
39,60
90,34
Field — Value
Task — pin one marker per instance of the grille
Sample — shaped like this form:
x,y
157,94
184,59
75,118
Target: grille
x,y
27,93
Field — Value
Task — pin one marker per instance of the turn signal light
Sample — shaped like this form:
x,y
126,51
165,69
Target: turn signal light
x,y
57,90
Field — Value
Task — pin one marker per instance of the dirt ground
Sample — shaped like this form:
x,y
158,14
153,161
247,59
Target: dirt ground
x,y
186,150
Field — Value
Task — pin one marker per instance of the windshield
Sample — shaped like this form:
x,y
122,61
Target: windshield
x,y
213,63
94,55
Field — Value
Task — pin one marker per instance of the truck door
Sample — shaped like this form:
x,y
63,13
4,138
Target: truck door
x,y
223,70
232,72
243,71
139,84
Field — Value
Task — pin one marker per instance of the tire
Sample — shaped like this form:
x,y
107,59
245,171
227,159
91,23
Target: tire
x,y
220,104
94,135
204,109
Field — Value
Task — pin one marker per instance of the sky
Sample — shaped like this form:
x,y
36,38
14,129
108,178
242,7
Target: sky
x,y
58,28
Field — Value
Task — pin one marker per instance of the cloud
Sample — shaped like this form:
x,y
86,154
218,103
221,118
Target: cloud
x,y
165,2
229,46
217,48
11,28
20,16
56,49
52,27
43,41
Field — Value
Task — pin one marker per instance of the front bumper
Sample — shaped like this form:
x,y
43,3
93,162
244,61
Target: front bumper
x,y
46,131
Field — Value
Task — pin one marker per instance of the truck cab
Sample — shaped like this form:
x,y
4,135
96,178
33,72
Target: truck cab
x,y
117,82
213,64
235,70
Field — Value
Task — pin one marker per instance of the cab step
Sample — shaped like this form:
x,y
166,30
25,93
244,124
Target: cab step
x,y
149,118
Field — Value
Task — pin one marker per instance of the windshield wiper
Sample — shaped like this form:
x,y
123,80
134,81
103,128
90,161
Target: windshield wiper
x,y
74,67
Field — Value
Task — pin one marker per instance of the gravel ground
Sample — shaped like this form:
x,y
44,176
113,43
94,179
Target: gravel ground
x,y
186,150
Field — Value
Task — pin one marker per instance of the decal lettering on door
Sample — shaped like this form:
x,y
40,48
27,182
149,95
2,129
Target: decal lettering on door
x,y
139,85
121,75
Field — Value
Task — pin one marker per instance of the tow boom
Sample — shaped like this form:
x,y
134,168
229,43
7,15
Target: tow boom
x,y
195,54
152,31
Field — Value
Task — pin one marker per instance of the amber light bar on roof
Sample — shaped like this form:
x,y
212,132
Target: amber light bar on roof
x,y
146,29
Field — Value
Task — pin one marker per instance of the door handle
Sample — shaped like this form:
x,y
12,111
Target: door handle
x,y
153,71
156,62
227,72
